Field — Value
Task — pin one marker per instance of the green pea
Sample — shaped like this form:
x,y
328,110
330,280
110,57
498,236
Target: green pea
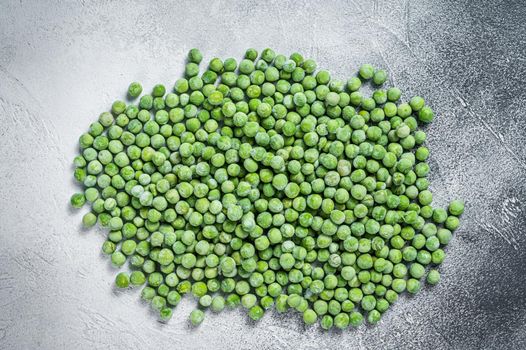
x,y
134,90
122,280
196,317
433,277
263,182
456,207
366,71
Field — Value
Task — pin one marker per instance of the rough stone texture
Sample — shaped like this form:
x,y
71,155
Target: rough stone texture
x,y
62,63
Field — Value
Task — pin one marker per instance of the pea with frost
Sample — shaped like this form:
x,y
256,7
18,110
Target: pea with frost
x,y
264,182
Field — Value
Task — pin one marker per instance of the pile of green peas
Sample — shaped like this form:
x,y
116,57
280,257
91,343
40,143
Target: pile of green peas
x,y
265,183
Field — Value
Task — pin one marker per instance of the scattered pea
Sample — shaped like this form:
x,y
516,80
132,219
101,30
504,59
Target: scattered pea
x,y
433,277
134,90
263,182
196,317
122,280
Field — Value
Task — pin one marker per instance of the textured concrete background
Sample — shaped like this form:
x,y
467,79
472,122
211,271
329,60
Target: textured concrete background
x,y
62,63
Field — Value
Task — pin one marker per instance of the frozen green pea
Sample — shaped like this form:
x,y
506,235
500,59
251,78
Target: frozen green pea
x,y
122,280
433,277
196,317
366,71
261,183
456,207
134,90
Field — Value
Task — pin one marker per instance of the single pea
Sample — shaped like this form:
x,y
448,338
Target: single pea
x,y
309,317
218,303
251,54
379,77
165,314
355,319
256,312
327,322
216,65
439,215
437,257
196,317
374,316
78,200
433,277
452,223
134,90
89,220
416,103
195,56
122,280
425,114
341,320
456,207
366,71
393,94
413,286
118,107
137,278
444,236
108,247
354,84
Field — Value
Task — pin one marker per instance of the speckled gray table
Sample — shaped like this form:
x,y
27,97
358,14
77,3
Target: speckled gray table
x,y
62,62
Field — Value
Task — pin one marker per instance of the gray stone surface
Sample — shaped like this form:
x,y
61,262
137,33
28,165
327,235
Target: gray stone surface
x,y
63,62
